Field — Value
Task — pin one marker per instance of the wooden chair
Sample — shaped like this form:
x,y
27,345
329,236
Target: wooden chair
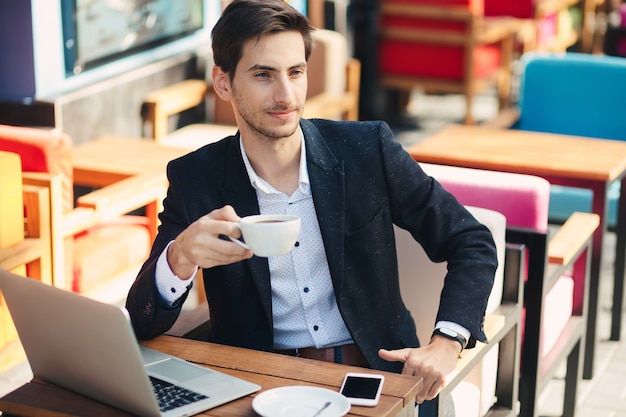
x,y
486,378
594,25
615,36
333,93
556,274
96,249
24,242
549,25
445,47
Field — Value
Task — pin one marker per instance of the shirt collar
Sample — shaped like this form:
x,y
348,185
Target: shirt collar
x,y
261,185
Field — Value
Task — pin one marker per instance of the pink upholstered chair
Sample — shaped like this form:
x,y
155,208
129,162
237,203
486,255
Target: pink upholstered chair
x,y
92,245
555,278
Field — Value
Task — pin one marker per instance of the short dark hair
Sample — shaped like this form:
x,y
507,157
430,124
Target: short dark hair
x,y
243,20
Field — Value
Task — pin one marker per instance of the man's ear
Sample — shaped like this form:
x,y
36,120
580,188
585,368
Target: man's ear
x,y
221,84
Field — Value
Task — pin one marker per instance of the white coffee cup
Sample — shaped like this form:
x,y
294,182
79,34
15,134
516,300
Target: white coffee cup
x,y
269,234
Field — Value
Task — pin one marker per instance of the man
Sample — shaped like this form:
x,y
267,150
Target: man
x,y
337,290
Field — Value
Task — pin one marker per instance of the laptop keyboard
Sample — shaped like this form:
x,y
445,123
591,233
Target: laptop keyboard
x,y
170,396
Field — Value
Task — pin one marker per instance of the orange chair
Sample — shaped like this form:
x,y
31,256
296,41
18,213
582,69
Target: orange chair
x,y
24,223
24,243
445,46
95,248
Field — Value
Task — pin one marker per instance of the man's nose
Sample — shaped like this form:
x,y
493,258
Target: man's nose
x,y
284,91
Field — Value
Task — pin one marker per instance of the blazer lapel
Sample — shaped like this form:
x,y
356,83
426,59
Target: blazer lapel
x,y
327,178
236,189
238,192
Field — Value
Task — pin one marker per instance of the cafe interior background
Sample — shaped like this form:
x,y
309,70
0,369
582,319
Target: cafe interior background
x,y
83,69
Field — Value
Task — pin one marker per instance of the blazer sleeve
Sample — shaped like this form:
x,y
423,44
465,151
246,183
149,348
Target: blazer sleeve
x,y
150,315
447,232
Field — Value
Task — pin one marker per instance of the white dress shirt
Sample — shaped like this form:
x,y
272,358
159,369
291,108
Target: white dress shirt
x,y
304,309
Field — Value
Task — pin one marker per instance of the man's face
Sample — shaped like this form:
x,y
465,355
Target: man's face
x,y
270,84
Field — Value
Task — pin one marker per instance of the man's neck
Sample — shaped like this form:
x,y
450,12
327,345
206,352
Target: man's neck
x,y
277,162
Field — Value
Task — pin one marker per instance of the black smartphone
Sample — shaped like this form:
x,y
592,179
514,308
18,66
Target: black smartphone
x,y
362,389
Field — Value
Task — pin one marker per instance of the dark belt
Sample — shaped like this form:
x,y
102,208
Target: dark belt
x,y
346,354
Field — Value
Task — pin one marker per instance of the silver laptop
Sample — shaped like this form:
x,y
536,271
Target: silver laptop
x,y
90,348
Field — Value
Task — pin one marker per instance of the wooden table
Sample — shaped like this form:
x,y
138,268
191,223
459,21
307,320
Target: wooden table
x,y
109,159
269,370
564,160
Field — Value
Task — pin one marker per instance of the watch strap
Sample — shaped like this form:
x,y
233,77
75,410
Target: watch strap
x,y
452,335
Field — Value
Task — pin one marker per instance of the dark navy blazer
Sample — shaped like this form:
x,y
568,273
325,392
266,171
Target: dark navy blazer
x,y
363,182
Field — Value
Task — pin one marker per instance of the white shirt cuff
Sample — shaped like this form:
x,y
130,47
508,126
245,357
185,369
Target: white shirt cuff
x,y
170,287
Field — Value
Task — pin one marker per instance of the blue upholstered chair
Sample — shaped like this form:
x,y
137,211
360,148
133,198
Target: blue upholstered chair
x,y
575,94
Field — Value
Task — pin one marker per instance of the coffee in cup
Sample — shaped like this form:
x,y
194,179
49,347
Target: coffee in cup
x,y
269,234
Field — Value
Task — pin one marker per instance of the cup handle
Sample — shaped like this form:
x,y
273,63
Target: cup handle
x,y
237,241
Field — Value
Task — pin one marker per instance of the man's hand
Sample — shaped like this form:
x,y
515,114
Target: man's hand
x,y
200,244
432,363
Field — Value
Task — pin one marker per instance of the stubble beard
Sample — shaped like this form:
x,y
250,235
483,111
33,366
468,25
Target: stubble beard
x,y
260,130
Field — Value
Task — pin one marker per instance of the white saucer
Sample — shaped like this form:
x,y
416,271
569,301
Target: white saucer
x,y
301,401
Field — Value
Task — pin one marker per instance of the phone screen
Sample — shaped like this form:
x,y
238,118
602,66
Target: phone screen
x,y
361,387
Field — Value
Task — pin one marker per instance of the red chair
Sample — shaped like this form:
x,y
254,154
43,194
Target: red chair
x,y
445,46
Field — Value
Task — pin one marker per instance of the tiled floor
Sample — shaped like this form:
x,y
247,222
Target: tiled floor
x,y
605,394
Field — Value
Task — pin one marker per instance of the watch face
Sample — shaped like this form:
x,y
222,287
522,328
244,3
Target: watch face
x,y
451,334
